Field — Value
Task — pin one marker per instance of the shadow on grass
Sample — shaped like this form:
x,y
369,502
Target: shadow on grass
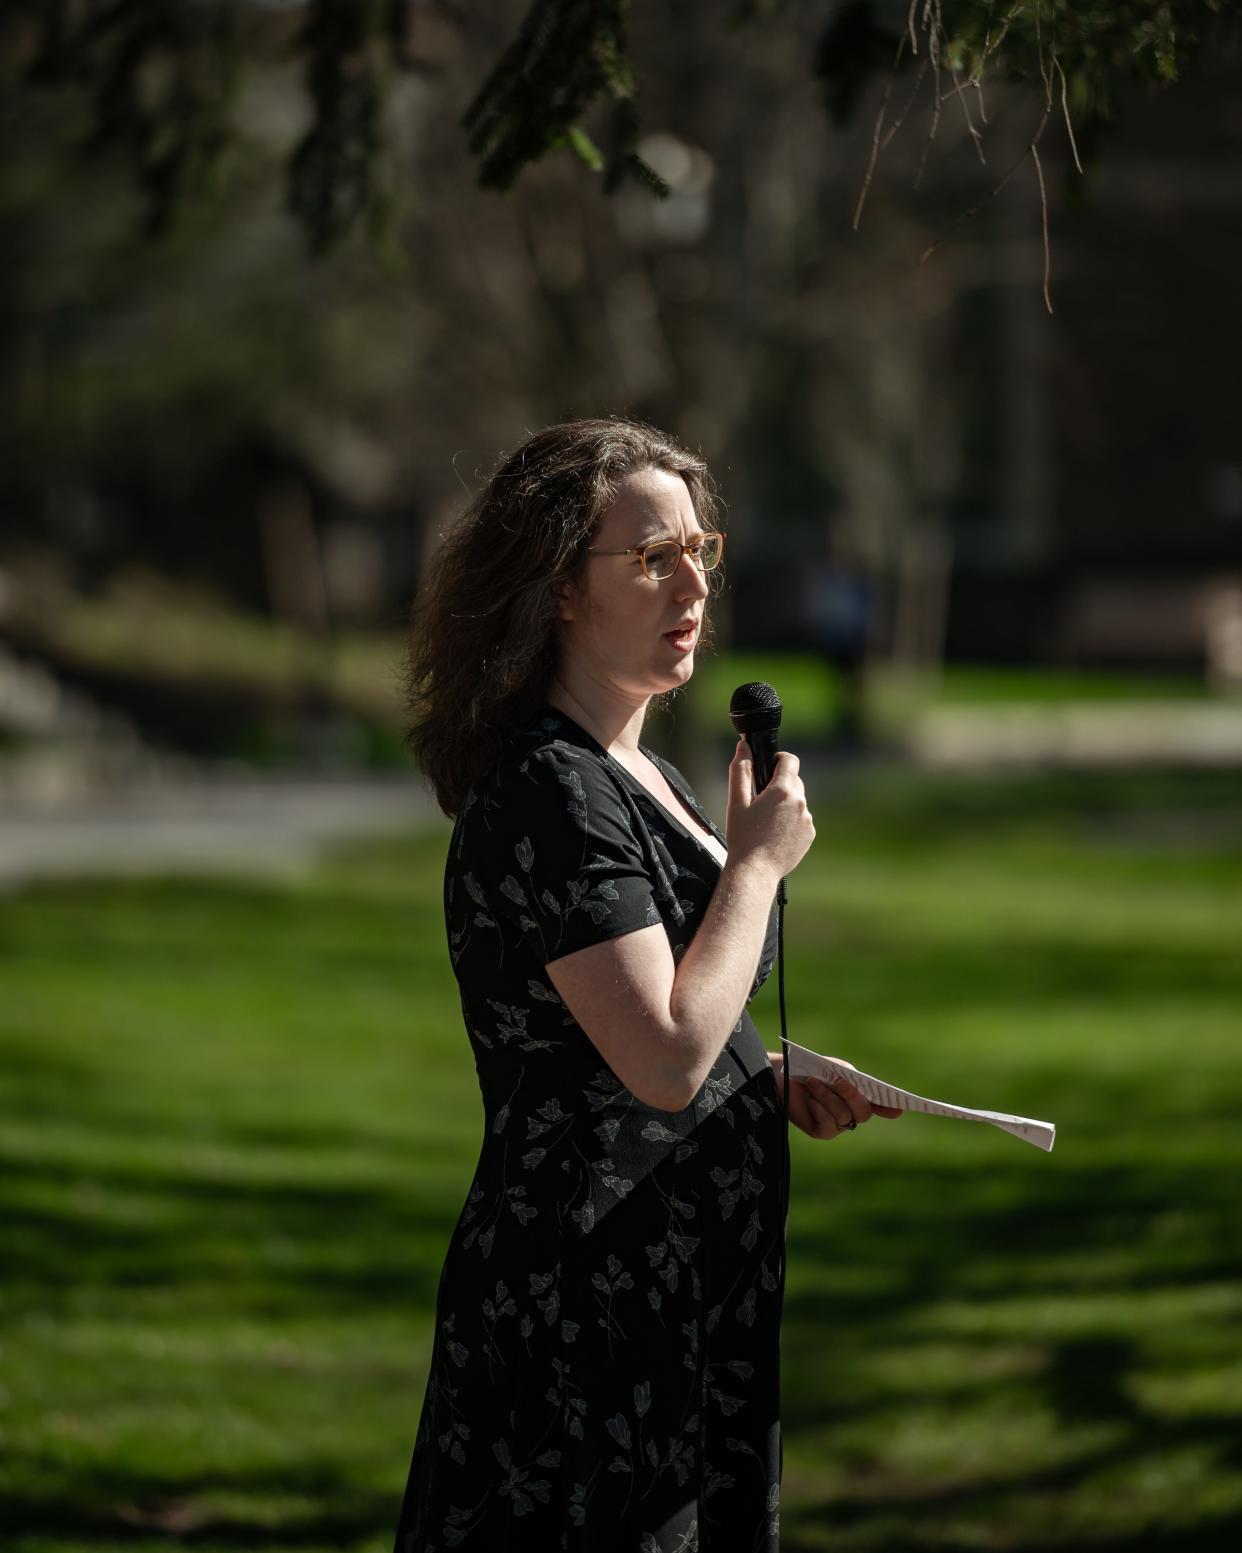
x,y
973,1268
332,1511
1003,1509
297,1251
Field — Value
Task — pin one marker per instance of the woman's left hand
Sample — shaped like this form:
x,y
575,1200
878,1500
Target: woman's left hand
x,y
824,1110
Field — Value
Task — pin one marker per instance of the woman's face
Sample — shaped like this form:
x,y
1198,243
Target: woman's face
x,y
627,634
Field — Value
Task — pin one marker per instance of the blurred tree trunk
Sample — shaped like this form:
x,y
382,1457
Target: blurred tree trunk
x,y
921,602
292,558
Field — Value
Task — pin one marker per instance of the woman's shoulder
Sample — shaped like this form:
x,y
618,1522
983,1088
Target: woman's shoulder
x,y
548,761
549,744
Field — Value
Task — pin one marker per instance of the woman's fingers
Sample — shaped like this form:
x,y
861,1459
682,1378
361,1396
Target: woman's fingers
x,y
836,1105
824,1110
887,1111
832,1115
845,1103
803,1112
823,1122
860,1107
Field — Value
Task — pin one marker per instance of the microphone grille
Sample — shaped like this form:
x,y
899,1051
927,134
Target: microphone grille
x,y
755,707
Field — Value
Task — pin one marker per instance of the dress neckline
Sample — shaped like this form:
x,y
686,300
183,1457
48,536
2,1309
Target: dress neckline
x,y
665,771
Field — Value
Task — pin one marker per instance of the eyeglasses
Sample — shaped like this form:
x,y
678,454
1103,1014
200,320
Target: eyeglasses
x,y
662,559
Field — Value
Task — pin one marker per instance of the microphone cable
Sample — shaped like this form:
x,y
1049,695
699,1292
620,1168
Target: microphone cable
x,y
782,899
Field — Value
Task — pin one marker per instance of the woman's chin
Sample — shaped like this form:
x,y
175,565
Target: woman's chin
x,y
664,677
677,676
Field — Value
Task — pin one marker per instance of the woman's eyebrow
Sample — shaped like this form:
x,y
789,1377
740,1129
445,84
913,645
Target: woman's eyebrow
x,y
657,539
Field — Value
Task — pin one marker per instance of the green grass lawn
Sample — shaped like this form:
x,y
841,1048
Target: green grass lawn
x,y
239,1119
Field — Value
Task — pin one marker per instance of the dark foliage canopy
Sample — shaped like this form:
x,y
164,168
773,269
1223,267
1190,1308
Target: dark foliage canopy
x,y
162,74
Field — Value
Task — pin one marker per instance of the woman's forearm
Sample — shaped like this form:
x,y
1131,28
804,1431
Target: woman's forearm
x,y
718,969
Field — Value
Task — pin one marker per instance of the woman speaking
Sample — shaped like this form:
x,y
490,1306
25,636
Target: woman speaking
x,y
605,1371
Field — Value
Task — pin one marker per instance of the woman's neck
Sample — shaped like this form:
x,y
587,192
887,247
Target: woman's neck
x,y
615,723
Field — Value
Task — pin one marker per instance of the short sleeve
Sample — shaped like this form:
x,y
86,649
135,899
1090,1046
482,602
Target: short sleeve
x,y
567,865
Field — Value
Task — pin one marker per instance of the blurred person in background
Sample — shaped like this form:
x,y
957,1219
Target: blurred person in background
x,y
838,612
605,1369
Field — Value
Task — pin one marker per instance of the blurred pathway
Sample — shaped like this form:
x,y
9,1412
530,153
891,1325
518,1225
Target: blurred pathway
x,y
1120,735
138,815
210,824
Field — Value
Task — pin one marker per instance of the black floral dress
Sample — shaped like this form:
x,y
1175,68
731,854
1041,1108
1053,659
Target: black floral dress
x,y
605,1372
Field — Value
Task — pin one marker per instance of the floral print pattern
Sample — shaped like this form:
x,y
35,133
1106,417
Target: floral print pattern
x,y
605,1371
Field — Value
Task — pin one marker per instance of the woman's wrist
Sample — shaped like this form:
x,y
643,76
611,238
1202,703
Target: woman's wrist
x,y
752,871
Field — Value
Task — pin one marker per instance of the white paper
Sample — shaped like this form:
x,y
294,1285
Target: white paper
x,y
809,1064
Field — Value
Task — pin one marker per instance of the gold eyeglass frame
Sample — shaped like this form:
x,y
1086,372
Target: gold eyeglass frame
x,y
657,544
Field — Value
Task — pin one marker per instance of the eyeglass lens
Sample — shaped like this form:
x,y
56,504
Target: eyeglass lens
x,y
662,560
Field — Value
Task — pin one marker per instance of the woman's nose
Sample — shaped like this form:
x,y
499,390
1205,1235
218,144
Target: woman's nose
x,y
691,579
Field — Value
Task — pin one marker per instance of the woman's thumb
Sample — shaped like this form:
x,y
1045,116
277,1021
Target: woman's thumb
x,y
742,774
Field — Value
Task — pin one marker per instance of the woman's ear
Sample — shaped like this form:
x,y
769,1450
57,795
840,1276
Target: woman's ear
x,y
567,599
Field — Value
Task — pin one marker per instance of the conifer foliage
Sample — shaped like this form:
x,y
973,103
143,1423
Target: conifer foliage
x,y
349,47
567,55
160,75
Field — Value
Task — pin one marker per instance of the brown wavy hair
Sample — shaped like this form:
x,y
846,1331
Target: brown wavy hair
x,y
483,642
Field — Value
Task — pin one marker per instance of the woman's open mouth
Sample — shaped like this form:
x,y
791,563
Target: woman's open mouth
x,y
683,638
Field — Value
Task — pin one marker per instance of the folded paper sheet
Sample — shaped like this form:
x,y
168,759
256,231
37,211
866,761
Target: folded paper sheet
x,y
809,1064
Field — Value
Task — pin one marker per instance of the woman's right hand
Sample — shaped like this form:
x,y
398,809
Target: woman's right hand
x,y
773,827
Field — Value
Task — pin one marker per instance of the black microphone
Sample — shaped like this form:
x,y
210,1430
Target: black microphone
x,y
755,712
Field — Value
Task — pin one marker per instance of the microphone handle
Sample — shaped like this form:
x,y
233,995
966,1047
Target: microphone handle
x,y
763,756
